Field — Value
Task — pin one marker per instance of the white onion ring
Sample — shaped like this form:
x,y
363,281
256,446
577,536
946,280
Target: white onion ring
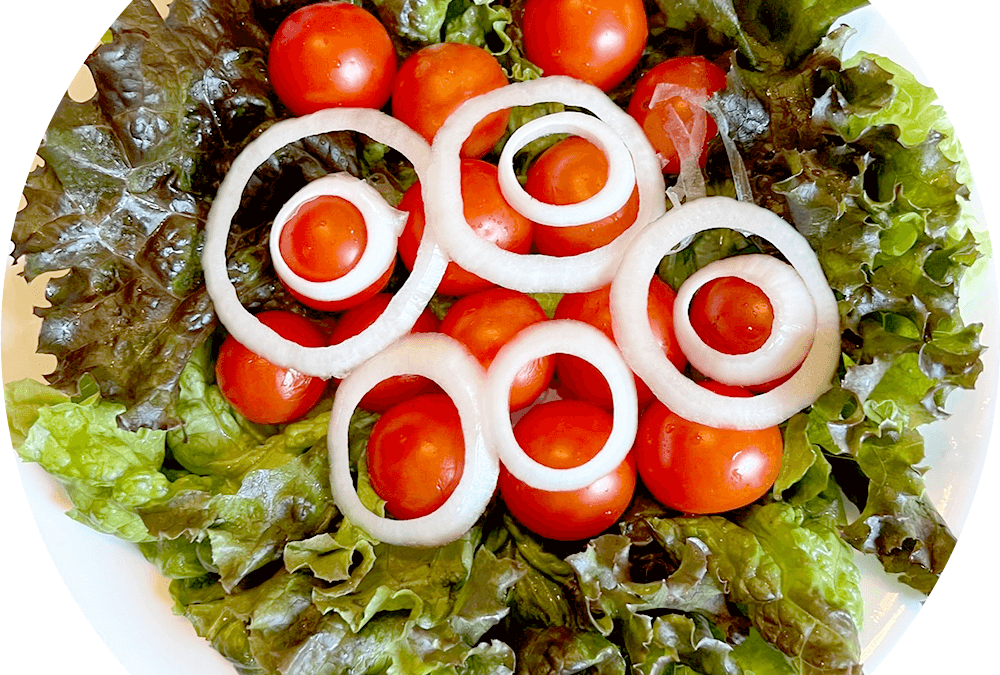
x,y
534,273
407,304
629,293
561,336
612,196
792,330
449,363
383,225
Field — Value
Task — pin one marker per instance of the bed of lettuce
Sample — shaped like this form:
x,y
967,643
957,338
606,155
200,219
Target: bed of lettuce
x,y
240,516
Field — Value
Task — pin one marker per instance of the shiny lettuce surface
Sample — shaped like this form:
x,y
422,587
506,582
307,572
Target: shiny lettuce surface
x,y
857,156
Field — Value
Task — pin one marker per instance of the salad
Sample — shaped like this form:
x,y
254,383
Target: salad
x,y
238,513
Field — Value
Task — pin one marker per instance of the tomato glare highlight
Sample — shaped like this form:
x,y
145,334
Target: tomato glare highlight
x,y
416,454
488,214
693,72
486,321
261,391
580,379
563,434
698,469
324,239
597,41
570,172
435,80
331,54
732,315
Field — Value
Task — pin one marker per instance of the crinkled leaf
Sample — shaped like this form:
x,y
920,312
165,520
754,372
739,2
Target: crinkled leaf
x,y
678,643
558,650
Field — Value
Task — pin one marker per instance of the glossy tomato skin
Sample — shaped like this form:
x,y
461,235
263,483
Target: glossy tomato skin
x,y
261,391
582,380
562,434
331,54
569,172
693,72
731,315
597,41
487,212
324,239
416,454
486,321
698,469
389,392
435,80
346,303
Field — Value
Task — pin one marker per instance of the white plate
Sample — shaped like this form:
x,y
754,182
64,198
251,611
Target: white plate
x,y
84,602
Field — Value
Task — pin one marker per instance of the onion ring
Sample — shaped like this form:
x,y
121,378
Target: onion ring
x,y
449,363
383,225
629,291
791,332
564,336
407,304
612,197
534,273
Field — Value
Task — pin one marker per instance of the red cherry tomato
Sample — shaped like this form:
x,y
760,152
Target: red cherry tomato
x,y
389,392
486,321
346,303
261,391
731,315
694,468
324,238
583,380
597,41
562,434
487,212
416,454
331,54
435,80
569,172
693,72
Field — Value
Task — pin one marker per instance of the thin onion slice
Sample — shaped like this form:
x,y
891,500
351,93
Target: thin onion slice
x,y
609,199
646,357
383,225
563,336
534,273
407,304
792,330
447,362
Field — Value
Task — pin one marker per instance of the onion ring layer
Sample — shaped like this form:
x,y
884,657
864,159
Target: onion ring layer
x,y
641,351
791,332
579,339
449,363
407,304
534,273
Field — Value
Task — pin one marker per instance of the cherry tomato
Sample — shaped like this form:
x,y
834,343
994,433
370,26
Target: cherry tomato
x,y
331,54
693,72
416,454
569,172
261,391
487,212
486,321
731,315
346,303
562,434
324,239
597,41
694,468
435,80
583,380
389,392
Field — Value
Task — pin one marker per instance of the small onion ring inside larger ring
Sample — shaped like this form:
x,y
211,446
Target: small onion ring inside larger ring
x,y
449,363
383,225
791,332
406,305
612,196
579,339
629,293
